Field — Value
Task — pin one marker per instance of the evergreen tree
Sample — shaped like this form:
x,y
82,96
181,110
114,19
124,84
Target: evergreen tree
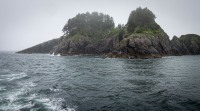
x,y
89,24
140,18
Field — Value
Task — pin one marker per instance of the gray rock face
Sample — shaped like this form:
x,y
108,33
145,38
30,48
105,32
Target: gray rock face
x,y
103,46
186,45
143,47
83,46
135,46
45,47
71,47
178,48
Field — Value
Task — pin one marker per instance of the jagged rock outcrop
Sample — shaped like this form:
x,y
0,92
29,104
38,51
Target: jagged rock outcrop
x,y
142,46
133,46
186,45
178,47
71,47
123,46
83,46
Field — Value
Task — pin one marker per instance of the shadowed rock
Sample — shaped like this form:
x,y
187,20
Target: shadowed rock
x,y
45,47
186,45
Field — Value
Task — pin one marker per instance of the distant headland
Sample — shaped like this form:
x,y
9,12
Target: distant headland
x,y
95,33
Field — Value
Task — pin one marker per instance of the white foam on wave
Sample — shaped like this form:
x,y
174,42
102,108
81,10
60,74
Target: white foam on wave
x,y
2,88
16,107
58,55
28,84
167,57
54,104
53,54
10,77
14,96
26,87
54,89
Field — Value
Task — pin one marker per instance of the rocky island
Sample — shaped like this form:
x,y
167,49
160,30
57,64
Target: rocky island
x,y
95,33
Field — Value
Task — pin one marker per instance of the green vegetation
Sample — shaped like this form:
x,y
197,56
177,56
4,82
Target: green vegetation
x,y
96,26
191,39
77,37
120,30
93,25
142,21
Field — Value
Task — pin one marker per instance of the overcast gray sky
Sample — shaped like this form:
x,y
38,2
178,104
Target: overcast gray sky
x,y
24,23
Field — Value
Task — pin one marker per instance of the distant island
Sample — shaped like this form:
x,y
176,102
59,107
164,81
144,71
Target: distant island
x,y
95,33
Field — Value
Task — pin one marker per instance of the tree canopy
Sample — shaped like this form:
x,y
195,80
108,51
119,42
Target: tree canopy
x,y
140,18
89,24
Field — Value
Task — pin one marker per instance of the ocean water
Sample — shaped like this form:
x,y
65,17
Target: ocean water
x,y
40,82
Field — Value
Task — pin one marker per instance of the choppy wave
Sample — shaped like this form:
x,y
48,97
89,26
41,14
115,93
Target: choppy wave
x,y
54,104
11,77
41,82
33,101
30,101
2,88
54,89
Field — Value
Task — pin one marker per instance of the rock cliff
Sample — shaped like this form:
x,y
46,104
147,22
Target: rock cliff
x,y
186,45
45,47
142,46
132,46
127,46
94,33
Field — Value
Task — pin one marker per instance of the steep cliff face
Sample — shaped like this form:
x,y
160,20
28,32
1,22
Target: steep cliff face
x,y
142,46
122,45
83,46
178,47
71,47
186,45
45,47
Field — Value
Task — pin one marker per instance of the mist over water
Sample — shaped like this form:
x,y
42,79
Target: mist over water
x,y
41,82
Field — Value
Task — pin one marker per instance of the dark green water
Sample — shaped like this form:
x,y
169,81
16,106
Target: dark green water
x,y
90,83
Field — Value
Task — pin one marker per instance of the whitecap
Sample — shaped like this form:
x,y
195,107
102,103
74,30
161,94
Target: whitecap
x,y
10,77
54,89
16,107
17,95
53,54
54,104
13,96
2,88
58,54
32,96
167,57
28,84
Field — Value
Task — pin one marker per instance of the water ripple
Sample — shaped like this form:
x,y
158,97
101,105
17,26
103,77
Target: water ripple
x,y
84,83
